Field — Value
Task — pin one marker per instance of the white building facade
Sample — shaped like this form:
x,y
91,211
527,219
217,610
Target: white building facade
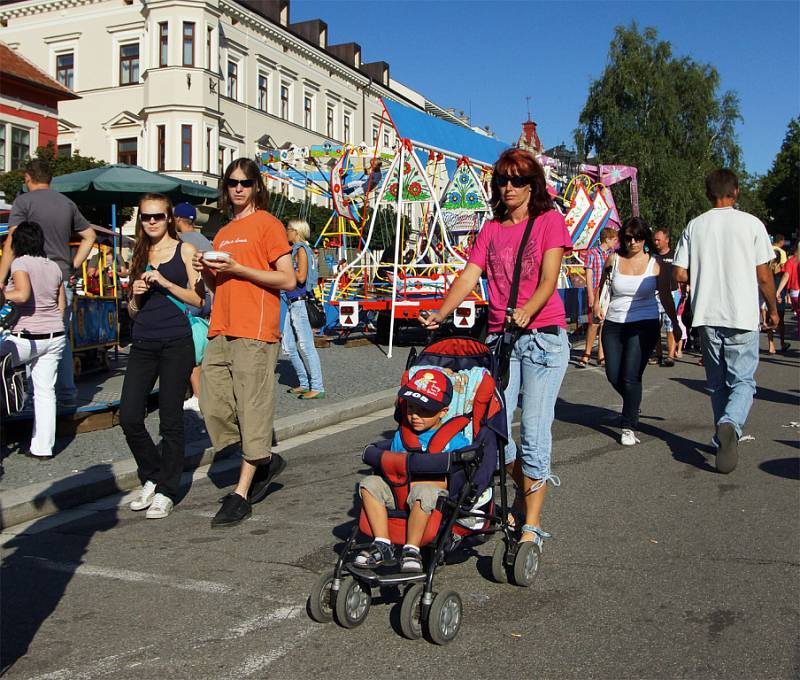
x,y
186,86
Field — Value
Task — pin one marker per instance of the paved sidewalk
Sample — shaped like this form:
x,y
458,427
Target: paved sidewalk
x,y
358,380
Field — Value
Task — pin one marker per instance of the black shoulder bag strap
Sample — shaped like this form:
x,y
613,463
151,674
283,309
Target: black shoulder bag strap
x,y
511,334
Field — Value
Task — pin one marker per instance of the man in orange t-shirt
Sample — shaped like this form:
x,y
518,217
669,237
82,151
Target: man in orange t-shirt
x,y
238,380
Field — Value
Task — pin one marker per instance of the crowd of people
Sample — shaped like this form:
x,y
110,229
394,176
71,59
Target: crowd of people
x,y
206,324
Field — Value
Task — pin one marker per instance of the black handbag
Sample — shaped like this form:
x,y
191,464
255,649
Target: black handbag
x,y
503,345
316,314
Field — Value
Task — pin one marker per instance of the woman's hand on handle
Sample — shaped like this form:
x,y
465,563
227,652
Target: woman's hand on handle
x,y
519,316
431,320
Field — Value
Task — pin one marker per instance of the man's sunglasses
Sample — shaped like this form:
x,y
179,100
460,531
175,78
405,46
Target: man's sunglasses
x,y
246,183
517,181
149,217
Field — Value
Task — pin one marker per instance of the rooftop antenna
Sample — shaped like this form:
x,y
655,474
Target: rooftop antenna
x,y
528,100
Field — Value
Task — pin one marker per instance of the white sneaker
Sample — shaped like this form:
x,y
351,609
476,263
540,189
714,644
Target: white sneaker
x,y
160,508
192,404
145,497
628,438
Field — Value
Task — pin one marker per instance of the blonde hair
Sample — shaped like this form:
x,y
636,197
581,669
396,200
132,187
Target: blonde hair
x,y
301,227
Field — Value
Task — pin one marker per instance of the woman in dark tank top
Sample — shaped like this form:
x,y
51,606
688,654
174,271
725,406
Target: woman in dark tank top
x,y
161,279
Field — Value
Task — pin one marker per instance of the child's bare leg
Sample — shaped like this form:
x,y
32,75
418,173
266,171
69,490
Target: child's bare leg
x,y
417,521
377,515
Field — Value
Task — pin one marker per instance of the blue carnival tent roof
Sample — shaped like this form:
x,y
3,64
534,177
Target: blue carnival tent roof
x,y
423,127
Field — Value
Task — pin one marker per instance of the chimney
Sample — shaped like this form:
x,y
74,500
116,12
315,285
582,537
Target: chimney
x,y
274,10
350,53
378,71
313,30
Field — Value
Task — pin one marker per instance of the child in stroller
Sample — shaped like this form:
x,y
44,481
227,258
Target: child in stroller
x,y
464,509
426,397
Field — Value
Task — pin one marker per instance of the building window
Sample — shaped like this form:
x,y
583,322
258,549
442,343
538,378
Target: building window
x,y
329,122
2,147
65,150
126,151
209,155
129,64
346,131
186,147
386,140
375,134
209,42
20,147
233,78
163,44
221,160
65,69
188,43
308,113
263,92
285,102
161,151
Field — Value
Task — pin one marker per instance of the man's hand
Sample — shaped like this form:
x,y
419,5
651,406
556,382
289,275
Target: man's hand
x,y
228,266
772,321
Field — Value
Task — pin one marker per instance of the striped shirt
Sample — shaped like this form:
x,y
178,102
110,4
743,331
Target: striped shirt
x,y
595,259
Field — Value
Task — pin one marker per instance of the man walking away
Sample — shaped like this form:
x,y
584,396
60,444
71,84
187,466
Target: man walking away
x,y
58,217
665,255
185,216
724,254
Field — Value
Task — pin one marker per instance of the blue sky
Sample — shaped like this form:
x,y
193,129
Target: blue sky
x,y
486,57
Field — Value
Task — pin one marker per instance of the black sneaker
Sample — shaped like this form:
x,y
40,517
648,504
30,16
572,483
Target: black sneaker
x,y
411,560
234,509
728,451
264,476
376,554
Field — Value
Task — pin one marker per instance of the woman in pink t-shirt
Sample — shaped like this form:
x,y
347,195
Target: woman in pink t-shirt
x,y
541,354
38,338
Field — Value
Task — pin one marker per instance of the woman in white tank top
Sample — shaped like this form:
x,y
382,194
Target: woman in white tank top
x,y
631,322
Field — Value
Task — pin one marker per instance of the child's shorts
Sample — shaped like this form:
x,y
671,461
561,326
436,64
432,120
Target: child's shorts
x,y
426,494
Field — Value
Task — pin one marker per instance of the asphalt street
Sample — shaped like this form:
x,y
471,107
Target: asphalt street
x,y
660,567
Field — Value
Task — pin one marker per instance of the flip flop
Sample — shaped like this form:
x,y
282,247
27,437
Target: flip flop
x,y
584,361
318,395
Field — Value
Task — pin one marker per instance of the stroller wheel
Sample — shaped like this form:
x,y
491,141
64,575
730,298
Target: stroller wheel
x,y
499,570
444,617
320,602
526,563
352,603
410,612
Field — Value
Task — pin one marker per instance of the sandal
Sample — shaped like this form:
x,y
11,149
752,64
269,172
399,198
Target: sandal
x,y
297,390
584,361
311,394
539,535
601,362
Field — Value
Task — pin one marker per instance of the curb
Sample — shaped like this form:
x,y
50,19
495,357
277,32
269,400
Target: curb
x,y
47,498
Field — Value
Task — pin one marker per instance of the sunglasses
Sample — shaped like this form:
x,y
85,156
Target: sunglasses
x,y
517,181
630,239
246,183
150,217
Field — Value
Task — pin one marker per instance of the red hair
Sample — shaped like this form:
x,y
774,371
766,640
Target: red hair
x,y
522,163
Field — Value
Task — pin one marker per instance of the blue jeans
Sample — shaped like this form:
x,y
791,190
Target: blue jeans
x,y
730,357
538,365
297,335
65,380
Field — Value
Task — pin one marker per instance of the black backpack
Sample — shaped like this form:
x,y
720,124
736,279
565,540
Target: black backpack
x,y
12,386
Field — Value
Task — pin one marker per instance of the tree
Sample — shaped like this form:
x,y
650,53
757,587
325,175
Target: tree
x,y
780,187
663,115
11,182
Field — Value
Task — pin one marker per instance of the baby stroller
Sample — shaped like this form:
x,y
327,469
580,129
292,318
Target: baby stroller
x,y
344,594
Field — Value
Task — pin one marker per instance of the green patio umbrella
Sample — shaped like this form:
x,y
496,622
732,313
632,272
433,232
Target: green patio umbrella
x,y
122,185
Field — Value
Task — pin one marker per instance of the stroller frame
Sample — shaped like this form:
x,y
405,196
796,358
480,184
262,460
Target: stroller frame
x,y
344,594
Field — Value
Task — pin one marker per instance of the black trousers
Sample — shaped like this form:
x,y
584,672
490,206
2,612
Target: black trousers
x,y
627,347
171,362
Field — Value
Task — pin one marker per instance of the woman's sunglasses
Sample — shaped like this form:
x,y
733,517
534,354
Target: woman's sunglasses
x,y
517,181
246,183
150,217
630,239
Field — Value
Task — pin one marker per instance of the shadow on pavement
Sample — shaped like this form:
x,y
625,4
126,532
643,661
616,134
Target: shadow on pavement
x,y
789,468
762,393
35,577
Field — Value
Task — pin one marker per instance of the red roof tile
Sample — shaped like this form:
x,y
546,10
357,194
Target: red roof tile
x,y
15,65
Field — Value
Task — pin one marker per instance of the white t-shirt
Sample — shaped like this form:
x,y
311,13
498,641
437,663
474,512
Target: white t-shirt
x,y
721,249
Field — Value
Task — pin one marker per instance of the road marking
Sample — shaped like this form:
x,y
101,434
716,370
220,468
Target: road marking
x,y
104,666
131,576
264,621
255,665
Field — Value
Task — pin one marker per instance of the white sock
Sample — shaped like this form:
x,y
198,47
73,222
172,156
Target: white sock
x,y
383,540
411,546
